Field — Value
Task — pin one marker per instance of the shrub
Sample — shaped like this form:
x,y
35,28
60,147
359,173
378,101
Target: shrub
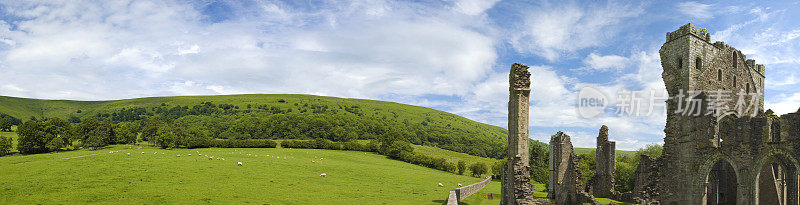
x,y
5,146
478,169
165,137
462,166
497,168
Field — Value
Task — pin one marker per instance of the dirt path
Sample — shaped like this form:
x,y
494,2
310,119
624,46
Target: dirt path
x,y
140,147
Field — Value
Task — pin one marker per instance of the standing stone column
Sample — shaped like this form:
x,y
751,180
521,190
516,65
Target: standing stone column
x,y
516,185
603,180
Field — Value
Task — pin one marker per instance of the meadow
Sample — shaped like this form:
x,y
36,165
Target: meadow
x,y
272,176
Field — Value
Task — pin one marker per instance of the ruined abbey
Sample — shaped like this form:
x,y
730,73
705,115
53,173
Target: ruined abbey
x,y
720,145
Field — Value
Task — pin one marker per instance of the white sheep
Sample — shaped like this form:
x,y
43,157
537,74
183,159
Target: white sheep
x,y
240,163
459,184
129,154
441,185
142,152
323,175
179,155
111,152
190,155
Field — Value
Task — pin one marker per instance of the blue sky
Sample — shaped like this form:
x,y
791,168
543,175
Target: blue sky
x,y
448,55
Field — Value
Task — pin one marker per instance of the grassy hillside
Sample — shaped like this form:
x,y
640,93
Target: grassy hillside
x,y
427,126
580,151
163,178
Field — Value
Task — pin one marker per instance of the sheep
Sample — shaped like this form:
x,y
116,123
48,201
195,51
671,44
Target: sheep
x,y
155,152
190,155
179,155
459,184
129,154
240,163
111,152
323,175
441,185
142,152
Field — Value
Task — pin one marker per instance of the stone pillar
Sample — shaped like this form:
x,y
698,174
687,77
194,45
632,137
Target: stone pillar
x,y
603,179
516,186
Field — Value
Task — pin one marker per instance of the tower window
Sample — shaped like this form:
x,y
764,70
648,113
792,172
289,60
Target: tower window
x,y
735,59
719,75
698,63
680,63
734,81
748,88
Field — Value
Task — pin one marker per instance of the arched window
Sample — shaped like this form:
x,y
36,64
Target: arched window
x,y
680,63
698,63
719,75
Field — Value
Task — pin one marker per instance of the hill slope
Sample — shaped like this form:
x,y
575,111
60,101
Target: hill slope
x,y
352,178
422,125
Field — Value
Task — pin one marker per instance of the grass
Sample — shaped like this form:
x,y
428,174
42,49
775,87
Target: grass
x,y
13,136
352,178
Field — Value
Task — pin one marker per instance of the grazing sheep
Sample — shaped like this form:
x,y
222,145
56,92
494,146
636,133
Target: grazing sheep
x,y
111,152
459,184
441,185
323,175
190,155
142,152
179,155
155,152
129,154
312,161
240,163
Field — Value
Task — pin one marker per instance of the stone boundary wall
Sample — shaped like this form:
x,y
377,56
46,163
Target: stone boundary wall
x,y
461,193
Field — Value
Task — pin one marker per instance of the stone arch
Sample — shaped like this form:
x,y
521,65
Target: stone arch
x,y
789,186
724,129
730,191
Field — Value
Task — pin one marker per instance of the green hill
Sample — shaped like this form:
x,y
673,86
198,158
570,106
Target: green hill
x,y
580,151
283,116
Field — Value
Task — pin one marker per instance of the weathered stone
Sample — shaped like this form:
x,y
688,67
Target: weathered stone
x,y
565,184
723,156
516,186
602,183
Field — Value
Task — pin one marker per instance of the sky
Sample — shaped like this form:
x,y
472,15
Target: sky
x,y
451,55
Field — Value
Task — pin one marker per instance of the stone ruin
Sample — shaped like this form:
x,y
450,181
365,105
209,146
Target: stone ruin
x,y
733,156
602,183
565,175
515,182
731,153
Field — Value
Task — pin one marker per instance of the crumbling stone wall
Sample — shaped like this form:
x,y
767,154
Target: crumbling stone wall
x,y
565,183
696,146
602,183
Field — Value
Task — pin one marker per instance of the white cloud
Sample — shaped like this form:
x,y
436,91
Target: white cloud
x,y
474,7
552,31
695,10
596,62
786,104
366,49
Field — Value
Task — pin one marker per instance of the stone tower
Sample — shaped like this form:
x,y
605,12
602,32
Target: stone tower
x,y
697,71
516,186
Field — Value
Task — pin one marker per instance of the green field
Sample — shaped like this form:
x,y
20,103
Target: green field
x,y
352,178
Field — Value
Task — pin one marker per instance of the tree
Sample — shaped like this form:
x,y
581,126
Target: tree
x,y
497,168
165,137
101,136
652,150
32,138
126,132
5,146
462,166
478,169
6,123
59,134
